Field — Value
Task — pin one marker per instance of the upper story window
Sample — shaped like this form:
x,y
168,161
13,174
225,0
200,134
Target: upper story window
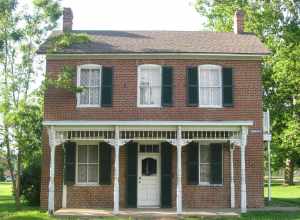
x,y
149,85
210,86
89,77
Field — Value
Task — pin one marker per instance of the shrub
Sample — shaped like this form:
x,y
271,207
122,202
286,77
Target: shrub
x,y
30,182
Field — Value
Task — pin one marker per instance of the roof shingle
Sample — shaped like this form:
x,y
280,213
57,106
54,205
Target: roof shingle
x,y
162,42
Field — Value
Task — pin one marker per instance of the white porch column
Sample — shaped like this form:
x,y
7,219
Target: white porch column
x,y
179,176
243,170
232,185
52,144
116,176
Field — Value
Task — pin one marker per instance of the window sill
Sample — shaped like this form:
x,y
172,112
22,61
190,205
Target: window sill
x,y
210,185
209,106
87,184
149,106
88,106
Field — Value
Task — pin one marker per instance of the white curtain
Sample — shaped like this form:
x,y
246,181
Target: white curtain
x,y
90,80
150,85
210,87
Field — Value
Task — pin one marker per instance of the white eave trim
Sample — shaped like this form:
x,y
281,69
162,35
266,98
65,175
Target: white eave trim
x,y
148,123
220,56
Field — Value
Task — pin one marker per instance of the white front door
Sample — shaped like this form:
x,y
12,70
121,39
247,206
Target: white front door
x,y
148,177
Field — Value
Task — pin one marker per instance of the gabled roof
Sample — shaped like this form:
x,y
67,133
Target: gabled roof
x,y
109,42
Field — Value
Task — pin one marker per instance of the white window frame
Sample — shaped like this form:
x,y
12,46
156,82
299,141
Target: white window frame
x,y
77,164
211,66
138,86
199,164
88,66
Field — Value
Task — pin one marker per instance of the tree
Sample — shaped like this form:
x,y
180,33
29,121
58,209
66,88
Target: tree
x,y
21,31
277,24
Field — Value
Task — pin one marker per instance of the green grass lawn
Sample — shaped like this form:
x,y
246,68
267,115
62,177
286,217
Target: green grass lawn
x,y
282,195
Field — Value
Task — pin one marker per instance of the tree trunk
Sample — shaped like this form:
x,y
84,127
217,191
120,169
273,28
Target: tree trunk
x,y
9,159
18,180
289,172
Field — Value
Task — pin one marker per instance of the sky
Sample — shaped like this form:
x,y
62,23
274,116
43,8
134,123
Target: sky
x,y
134,14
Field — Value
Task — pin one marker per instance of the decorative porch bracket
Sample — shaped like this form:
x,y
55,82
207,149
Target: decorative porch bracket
x,y
179,143
54,140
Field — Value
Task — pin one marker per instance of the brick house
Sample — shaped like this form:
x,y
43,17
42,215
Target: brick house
x,y
168,119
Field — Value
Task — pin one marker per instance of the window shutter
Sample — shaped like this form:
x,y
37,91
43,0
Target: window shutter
x,y
104,163
216,163
167,83
70,162
131,174
227,87
193,163
192,86
107,86
166,175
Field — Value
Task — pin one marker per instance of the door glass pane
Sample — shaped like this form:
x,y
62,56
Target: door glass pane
x,y
93,173
93,154
82,154
149,167
82,173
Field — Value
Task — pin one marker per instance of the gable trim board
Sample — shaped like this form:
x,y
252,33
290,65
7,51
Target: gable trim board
x,y
166,56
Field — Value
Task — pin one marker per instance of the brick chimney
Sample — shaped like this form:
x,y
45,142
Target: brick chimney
x,y
67,19
238,22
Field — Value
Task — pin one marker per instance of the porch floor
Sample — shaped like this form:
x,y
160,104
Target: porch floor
x,y
147,213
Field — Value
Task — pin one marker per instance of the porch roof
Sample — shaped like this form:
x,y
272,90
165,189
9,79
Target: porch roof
x,y
147,123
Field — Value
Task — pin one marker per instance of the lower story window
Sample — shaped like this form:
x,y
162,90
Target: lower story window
x,y
87,164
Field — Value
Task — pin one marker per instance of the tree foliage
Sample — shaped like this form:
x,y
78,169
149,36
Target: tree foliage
x,y
21,31
277,24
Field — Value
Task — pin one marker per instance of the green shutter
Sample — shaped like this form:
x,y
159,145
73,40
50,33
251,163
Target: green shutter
x,y
227,87
193,163
69,162
105,163
192,86
216,172
131,175
166,175
167,83
107,87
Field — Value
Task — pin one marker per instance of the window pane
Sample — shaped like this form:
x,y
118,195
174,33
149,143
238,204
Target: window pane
x,y
94,95
93,154
95,77
93,173
84,77
216,98
82,154
155,94
144,95
204,154
82,173
84,96
204,172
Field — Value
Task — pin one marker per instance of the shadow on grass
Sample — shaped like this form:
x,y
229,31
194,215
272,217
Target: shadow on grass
x,y
271,216
283,202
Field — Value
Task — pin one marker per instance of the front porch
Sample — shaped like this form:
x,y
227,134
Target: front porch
x,y
147,213
178,134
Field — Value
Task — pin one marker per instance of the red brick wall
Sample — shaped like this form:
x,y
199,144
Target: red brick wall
x,y
61,105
